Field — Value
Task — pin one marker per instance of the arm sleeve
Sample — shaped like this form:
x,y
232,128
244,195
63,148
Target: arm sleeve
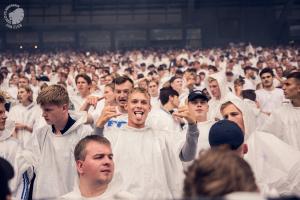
x,y
99,131
188,151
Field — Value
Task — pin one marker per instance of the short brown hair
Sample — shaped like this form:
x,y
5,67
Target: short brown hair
x,y
80,152
28,90
85,77
53,94
218,172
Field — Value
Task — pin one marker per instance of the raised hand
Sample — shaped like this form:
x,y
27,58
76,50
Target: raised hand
x,y
107,113
183,112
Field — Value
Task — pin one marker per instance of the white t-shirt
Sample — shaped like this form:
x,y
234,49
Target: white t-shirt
x,y
269,100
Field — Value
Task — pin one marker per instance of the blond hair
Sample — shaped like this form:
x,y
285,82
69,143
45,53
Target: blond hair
x,y
53,94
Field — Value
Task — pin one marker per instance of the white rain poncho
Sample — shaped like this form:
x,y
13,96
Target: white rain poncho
x,y
53,159
149,160
9,150
284,123
114,191
275,164
29,115
214,104
162,120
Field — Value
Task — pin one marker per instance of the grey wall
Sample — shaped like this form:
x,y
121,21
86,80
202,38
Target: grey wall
x,y
61,25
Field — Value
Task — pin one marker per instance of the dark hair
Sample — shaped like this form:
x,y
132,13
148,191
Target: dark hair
x,y
249,94
217,172
122,79
85,77
247,68
266,70
211,67
295,75
2,100
165,93
174,78
80,149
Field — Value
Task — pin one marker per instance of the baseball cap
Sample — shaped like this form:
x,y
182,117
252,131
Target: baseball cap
x,y
197,94
226,132
6,170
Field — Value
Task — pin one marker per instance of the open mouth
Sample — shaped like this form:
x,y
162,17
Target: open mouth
x,y
106,171
138,114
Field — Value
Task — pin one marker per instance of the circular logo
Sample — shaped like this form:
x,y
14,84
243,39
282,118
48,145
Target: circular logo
x,y
13,15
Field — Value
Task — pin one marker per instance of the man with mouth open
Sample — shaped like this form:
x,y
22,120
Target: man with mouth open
x,y
123,85
95,168
149,160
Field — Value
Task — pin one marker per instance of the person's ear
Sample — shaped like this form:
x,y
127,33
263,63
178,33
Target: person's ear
x,y
65,107
79,166
245,149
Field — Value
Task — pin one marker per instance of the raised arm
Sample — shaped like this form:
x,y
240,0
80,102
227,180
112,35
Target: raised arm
x,y
188,151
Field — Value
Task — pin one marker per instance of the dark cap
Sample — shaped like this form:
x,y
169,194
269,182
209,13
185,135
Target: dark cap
x,y
6,170
197,94
226,132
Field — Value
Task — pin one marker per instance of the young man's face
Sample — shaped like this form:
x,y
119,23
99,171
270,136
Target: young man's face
x,y
54,114
23,95
23,82
138,108
232,113
214,89
2,117
153,89
109,94
175,101
98,165
291,88
177,85
267,80
121,93
82,85
198,108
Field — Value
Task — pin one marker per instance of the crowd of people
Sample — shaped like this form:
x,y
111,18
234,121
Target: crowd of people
x,y
151,124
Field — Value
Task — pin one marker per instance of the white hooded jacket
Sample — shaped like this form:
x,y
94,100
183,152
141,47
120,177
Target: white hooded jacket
x,y
215,104
53,159
9,150
275,164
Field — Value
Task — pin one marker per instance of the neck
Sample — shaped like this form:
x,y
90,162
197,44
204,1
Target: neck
x,y
154,95
62,123
26,103
122,109
168,106
88,189
202,118
85,94
296,102
269,88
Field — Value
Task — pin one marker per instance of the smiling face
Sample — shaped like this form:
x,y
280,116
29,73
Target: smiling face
x,y
98,165
232,113
121,93
138,108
